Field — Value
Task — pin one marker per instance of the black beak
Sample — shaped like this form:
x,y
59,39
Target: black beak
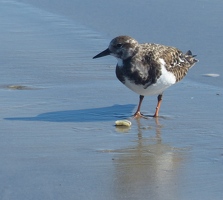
x,y
106,52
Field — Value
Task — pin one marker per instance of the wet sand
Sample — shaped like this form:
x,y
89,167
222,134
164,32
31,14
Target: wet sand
x,y
58,108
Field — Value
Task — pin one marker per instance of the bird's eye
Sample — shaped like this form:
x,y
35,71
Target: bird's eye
x,y
119,45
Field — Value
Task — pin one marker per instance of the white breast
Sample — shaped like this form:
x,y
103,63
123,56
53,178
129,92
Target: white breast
x,y
165,80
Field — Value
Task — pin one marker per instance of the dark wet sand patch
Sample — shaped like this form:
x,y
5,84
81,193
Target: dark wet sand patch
x,y
18,87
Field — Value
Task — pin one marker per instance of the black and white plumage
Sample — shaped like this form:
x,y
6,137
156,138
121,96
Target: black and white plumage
x,y
148,69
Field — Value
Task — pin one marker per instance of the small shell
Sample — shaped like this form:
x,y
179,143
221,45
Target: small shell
x,y
123,123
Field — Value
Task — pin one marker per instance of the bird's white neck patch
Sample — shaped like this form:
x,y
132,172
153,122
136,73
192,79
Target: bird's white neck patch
x,y
120,62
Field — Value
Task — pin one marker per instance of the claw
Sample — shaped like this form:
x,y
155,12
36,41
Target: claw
x,y
139,115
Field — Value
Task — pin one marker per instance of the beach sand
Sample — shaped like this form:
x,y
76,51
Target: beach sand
x,y
59,106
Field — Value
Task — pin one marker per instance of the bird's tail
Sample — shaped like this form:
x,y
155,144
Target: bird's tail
x,y
191,58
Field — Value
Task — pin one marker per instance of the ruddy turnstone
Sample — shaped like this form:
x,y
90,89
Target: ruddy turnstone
x,y
148,69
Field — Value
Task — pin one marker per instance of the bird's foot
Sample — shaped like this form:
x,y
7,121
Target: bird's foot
x,y
139,115
155,116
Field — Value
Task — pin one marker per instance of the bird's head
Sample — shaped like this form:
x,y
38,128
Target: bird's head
x,y
121,47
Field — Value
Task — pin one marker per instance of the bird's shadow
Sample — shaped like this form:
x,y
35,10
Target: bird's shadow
x,y
83,115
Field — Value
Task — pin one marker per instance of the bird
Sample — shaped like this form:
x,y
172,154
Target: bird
x,y
148,68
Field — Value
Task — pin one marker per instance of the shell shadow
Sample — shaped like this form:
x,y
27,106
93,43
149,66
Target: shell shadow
x,y
84,115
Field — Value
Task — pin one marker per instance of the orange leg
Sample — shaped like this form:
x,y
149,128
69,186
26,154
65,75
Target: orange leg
x,y
159,98
138,113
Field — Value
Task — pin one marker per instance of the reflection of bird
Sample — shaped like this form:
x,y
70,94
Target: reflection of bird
x,y
148,168
148,69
